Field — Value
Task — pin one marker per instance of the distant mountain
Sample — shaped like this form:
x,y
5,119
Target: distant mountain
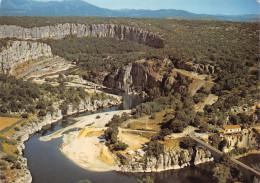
x,y
82,8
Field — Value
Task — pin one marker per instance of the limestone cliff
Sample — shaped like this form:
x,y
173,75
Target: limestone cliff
x,y
27,58
173,159
143,75
134,77
18,52
100,30
249,138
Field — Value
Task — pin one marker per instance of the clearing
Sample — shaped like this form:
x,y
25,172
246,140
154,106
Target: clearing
x,y
6,122
146,123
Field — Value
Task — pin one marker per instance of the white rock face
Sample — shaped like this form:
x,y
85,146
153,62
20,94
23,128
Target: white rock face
x,y
96,30
174,159
18,52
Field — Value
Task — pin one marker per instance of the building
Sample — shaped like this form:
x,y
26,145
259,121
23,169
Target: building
x,y
232,129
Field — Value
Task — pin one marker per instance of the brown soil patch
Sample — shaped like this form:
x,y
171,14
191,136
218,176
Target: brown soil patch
x,y
133,141
5,122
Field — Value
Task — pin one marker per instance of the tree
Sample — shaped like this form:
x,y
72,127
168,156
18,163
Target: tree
x,y
42,113
155,149
64,108
222,173
177,126
120,146
204,128
187,143
215,140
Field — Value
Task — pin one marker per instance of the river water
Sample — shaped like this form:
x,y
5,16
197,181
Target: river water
x,y
48,165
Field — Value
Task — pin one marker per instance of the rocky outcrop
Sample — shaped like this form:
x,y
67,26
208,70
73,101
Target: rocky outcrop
x,y
37,125
143,75
198,68
18,52
25,59
100,30
249,138
134,77
174,159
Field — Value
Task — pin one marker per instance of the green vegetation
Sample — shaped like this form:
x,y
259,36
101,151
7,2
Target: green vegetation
x,y
90,53
155,149
25,97
120,146
230,48
187,143
147,179
225,171
112,132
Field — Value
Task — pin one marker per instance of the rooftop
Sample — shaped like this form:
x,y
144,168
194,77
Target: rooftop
x,y
231,127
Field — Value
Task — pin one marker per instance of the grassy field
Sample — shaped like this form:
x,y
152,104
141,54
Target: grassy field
x,y
146,123
6,122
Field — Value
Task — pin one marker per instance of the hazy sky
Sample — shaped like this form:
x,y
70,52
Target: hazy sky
x,y
196,6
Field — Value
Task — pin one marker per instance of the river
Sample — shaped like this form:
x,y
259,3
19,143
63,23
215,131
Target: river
x,y
48,165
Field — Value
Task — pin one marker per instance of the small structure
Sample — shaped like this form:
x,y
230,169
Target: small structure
x,y
232,129
102,140
130,152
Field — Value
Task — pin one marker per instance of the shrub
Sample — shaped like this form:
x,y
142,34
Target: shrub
x,y
42,113
187,143
10,141
120,146
3,165
2,177
10,158
16,166
155,149
16,128
97,117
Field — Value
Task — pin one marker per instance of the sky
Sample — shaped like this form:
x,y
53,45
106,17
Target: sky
x,y
226,7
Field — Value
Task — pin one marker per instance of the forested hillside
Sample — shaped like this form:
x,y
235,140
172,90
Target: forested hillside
x,y
230,47
202,75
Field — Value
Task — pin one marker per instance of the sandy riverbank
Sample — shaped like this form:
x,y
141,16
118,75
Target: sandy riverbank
x,y
82,122
83,146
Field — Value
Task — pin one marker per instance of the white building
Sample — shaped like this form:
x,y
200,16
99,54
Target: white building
x,y
231,129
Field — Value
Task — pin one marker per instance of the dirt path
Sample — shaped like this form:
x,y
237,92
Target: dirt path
x,y
211,99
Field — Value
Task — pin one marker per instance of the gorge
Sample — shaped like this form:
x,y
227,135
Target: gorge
x,y
172,75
